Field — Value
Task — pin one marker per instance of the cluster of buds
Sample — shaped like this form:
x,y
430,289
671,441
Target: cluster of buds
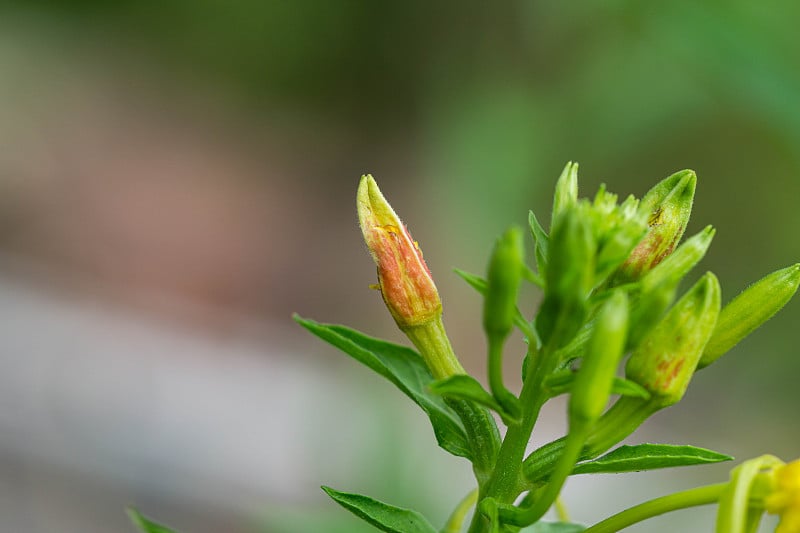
x,y
593,247
610,273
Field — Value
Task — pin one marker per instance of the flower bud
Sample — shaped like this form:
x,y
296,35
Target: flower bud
x,y
503,281
668,206
663,363
757,304
681,261
566,194
404,279
592,386
569,277
657,288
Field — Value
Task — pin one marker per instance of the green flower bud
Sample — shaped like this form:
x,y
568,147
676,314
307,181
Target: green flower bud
x,y
503,281
669,205
566,194
681,261
657,288
569,277
757,304
665,360
593,383
617,230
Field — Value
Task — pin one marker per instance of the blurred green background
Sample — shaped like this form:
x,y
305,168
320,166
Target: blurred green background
x,y
177,178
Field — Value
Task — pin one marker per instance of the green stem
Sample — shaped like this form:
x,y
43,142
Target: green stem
x,y
672,502
616,424
504,397
433,344
505,482
483,436
564,466
453,524
561,510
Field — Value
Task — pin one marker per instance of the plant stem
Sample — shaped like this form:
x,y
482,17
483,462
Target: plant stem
x,y
433,344
616,424
482,435
504,484
672,502
566,462
504,397
453,524
561,510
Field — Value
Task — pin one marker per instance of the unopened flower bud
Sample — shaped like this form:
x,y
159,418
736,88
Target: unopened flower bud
x,y
569,277
657,288
757,304
502,284
405,281
592,386
681,261
566,194
663,363
669,205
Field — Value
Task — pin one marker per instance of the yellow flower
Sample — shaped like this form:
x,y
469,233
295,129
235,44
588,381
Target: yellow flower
x,y
785,497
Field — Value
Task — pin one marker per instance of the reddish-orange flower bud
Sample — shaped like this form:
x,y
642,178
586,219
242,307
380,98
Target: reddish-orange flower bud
x,y
404,279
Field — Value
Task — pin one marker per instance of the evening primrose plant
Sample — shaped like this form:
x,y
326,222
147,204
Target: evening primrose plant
x,y
609,273
613,332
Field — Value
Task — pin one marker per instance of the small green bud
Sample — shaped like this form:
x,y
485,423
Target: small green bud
x,y
757,304
668,205
595,378
569,277
681,261
617,247
566,194
665,360
503,281
657,288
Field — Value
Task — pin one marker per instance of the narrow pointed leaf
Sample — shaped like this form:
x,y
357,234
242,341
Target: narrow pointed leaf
x,y
476,282
383,516
542,241
145,524
649,457
562,382
406,369
464,387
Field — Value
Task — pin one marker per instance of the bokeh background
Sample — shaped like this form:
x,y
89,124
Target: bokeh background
x,y
177,178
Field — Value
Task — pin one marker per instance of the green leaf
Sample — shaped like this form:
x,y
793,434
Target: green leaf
x,y
541,240
146,525
406,369
464,387
384,517
561,382
626,387
476,282
649,457
554,527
